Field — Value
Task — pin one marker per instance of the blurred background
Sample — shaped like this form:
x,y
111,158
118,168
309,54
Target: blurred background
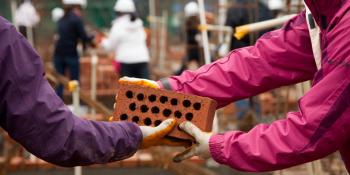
x,y
176,41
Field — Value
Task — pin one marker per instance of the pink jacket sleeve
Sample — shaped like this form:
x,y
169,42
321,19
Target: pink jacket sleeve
x,y
279,58
282,57
319,128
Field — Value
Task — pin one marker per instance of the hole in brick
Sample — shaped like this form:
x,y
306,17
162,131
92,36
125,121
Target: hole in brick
x,y
189,116
173,101
123,117
144,109
140,97
157,122
152,98
186,103
167,112
136,119
197,106
147,122
155,110
132,106
163,99
178,114
129,94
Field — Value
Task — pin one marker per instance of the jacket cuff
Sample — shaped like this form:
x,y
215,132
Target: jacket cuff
x,y
165,84
132,142
216,147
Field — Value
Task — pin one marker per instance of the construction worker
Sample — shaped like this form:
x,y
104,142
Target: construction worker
x,y
311,46
127,38
193,36
194,50
26,18
34,116
70,30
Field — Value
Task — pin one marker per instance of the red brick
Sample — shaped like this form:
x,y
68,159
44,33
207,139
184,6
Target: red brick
x,y
151,106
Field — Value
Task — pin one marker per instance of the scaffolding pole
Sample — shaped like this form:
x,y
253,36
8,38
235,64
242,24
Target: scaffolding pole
x,y
243,30
13,12
205,38
153,26
222,18
93,92
163,39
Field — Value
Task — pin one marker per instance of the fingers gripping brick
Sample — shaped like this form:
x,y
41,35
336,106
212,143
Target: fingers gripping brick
x,y
149,107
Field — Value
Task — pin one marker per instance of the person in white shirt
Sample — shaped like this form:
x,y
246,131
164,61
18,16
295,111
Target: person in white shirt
x,y
127,38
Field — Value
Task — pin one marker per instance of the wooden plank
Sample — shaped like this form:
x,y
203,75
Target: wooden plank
x,y
98,106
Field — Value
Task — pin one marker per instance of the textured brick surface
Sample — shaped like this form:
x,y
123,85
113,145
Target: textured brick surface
x,y
147,106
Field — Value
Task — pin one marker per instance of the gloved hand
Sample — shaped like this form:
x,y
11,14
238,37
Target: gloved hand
x,y
140,82
201,148
156,136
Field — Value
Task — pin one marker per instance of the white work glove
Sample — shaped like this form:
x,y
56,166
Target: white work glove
x,y
140,82
201,146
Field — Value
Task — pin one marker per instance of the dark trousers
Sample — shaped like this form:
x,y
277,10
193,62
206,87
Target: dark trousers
x,y
137,70
64,63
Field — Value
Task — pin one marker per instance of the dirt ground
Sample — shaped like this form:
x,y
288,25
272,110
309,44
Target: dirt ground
x,y
124,171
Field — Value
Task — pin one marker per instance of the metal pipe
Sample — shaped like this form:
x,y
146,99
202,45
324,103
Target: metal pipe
x,y
216,28
93,92
153,26
163,36
78,170
13,12
205,38
30,35
242,31
222,18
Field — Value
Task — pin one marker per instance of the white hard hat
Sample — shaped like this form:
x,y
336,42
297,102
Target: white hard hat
x,y
57,13
26,15
82,3
276,4
191,9
127,6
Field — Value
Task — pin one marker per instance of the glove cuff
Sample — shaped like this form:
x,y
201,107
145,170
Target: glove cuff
x,y
216,147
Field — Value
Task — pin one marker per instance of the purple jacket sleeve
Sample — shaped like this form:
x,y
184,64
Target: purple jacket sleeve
x,y
279,58
34,116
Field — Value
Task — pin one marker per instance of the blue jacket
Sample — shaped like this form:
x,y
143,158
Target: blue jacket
x,y
70,31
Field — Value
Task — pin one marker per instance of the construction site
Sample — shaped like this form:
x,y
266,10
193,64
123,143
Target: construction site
x,y
181,37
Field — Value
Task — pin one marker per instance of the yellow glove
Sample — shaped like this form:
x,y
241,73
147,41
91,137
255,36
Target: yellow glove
x,y
156,136
139,82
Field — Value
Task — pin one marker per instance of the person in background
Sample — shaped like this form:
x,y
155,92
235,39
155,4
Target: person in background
x,y
311,46
244,12
194,50
70,29
34,116
193,36
26,18
127,38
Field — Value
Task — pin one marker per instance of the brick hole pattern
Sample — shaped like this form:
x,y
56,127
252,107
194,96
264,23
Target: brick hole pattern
x,y
149,107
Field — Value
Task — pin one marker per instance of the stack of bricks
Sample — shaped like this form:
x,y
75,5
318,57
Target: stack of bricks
x,y
149,107
106,76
